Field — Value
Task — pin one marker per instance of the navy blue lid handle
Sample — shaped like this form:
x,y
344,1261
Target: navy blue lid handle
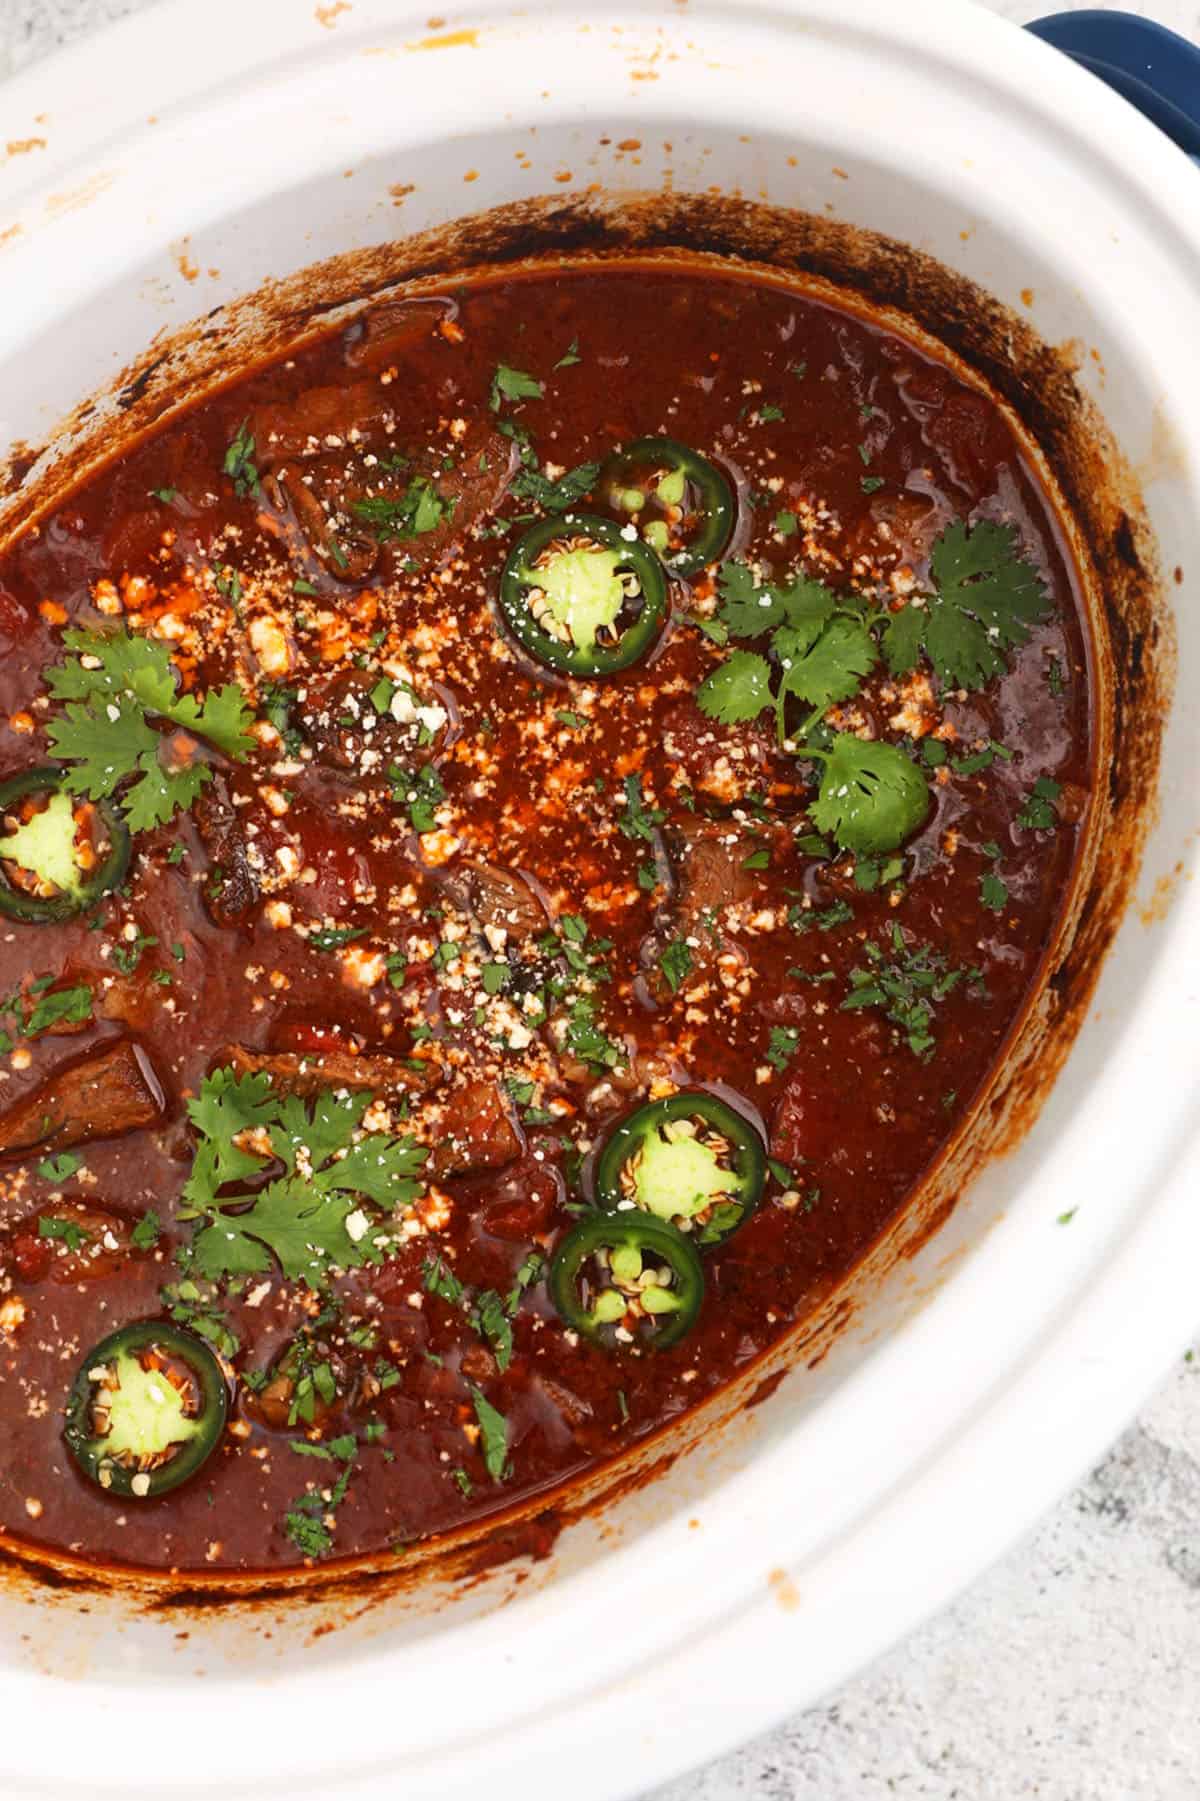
x,y
1156,70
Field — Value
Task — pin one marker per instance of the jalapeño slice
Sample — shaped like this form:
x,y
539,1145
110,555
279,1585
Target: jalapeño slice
x,y
690,1160
58,858
581,597
681,502
627,1278
146,1409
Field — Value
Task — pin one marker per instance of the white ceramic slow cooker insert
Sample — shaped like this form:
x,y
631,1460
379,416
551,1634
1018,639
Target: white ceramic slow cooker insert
x,y
251,141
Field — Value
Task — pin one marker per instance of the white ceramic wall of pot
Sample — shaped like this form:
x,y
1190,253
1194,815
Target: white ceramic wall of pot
x,y
857,1498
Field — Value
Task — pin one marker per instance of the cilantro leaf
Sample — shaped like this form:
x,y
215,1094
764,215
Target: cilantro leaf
x,y
513,384
493,1429
737,690
831,668
676,963
986,599
239,462
1039,814
748,610
309,1220
782,1047
532,1265
492,1322
105,735
871,796
554,496
70,1006
637,820
61,1168
145,1234
418,510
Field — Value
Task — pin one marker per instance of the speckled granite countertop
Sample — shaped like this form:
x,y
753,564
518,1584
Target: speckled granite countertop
x,y
1069,1672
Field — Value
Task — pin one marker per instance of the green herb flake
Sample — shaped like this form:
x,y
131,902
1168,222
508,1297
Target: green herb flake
x,y
61,1168
1040,814
239,462
676,963
493,1429
513,384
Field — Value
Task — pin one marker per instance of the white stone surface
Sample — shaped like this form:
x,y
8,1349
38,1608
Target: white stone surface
x,y
1071,1671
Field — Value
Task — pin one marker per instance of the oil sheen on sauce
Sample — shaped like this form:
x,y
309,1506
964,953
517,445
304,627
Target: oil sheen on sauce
x,y
323,903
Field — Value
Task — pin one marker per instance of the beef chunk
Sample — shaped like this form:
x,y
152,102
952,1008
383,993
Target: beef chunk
x,y
310,1073
393,328
351,518
725,764
708,857
70,1242
473,1130
500,897
283,431
110,1091
232,890
313,528
339,722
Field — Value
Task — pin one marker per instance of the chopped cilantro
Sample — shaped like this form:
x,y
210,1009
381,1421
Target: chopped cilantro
x,y
529,1272
239,462
495,977
554,496
128,956
145,1234
60,1168
513,384
490,1319
67,1230
493,1429
418,510
676,963
585,1039
906,987
66,1006
782,1046
332,938
1039,814
438,1278
421,791
993,893
638,821
570,355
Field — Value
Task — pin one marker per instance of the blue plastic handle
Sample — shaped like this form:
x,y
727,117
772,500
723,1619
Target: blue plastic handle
x,y
1156,70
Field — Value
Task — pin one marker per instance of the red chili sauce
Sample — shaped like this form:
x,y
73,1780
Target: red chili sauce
x,y
448,915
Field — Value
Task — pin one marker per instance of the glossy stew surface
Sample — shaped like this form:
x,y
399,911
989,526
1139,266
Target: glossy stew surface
x,y
429,891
